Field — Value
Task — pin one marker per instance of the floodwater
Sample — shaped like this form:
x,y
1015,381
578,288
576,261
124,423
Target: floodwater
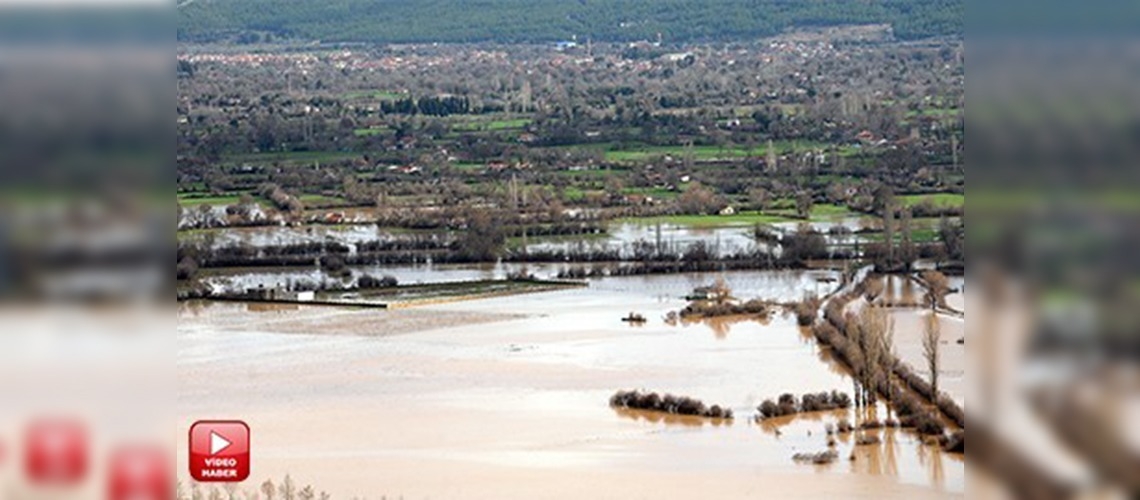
x,y
910,318
621,237
508,398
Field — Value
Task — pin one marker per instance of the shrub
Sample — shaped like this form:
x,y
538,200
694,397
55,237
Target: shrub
x,y
680,405
769,409
368,281
715,411
906,405
928,425
951,409
806,310
955,443
186,268
787,399
844,426
840,399
823,457
787,404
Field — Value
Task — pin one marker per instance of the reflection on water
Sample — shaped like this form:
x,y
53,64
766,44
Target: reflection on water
x,y
818,419
721,325
660,417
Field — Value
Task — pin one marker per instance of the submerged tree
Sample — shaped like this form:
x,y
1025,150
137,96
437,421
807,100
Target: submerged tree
x,y
875,338
484,239
931,338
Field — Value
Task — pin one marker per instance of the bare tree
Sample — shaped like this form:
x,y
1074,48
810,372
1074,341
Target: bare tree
x,y
937,287
759,198
875,339
804,203
931,338
906,247
268,489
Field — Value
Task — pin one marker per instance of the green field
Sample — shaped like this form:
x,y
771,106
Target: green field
x,y
368,132
710,153
920,235
469,166
819,213
487,125
935,112
292,157
322,200
938,199
657,193
189,200
378,95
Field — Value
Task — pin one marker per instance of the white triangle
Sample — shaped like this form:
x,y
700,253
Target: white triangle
x,y
218,443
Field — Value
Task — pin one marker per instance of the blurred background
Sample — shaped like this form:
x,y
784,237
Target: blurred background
x,y
86,154
1053,212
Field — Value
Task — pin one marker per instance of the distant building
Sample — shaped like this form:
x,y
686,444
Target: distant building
x,y
708,293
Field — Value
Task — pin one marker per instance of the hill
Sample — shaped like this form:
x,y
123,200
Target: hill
x,y
509,21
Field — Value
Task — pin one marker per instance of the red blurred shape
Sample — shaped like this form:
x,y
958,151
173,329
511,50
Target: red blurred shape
x,y
219,451
140,473
55,452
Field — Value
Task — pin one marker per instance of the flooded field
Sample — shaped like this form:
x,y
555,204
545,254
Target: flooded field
x,y
507,398
620,237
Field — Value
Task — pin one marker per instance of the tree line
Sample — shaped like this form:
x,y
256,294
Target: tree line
x,y
533,21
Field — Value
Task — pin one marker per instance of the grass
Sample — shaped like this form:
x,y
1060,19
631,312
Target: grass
x,y
320,199
748,218
293,157
194,200
657,193
469,166
368,132
574,193
708,153
935,112
708,221
490,125
379,95
595,173
938,200
921,235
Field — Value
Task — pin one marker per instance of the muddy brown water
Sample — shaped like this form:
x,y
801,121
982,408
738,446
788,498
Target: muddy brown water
x,y
507,398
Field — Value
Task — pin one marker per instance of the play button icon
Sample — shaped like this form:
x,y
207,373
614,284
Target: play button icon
x,y
218,443
219,451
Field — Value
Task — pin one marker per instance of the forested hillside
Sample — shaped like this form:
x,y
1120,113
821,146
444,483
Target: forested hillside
x,y
551,20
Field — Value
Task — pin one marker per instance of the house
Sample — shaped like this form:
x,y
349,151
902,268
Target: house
x,y
407,142
712,292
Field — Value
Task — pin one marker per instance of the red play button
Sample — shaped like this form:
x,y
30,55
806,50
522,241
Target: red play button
x,y
219,451
140,473
56,452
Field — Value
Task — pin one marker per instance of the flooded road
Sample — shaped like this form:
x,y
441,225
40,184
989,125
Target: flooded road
x,y
507,398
